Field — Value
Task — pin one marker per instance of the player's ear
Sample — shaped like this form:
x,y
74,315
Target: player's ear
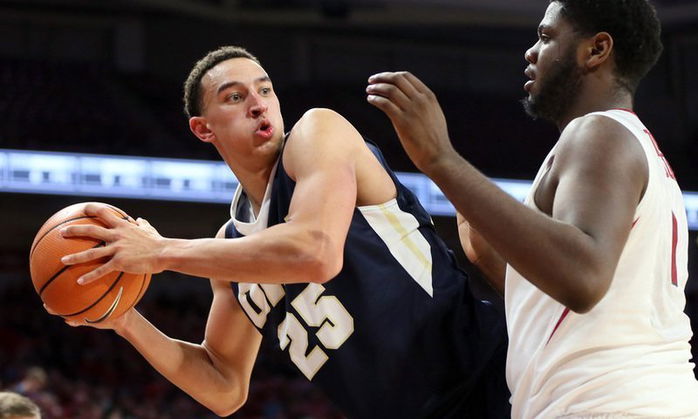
x,y
598,49
199,126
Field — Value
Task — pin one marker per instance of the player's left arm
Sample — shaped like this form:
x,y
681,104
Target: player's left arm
x,y
320,156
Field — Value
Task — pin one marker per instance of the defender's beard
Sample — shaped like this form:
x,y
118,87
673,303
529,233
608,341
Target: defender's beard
x,y
558,91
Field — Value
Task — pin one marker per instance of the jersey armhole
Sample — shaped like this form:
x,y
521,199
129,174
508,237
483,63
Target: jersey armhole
x,y
619,116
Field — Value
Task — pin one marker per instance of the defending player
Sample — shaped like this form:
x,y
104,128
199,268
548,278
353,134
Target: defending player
x,y
596,259
325,249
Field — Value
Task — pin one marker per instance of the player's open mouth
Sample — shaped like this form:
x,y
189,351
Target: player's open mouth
x,y
265,130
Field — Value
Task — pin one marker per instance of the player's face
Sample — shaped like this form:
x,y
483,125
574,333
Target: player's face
x,y
241,108
555,76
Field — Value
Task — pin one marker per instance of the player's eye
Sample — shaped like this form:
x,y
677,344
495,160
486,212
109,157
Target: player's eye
x,y
234,97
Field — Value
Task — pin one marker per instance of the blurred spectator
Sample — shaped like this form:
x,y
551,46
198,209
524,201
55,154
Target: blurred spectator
x,y
33,382
84,374
15,406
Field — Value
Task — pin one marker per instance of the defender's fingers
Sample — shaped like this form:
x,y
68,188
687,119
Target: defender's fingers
x,y
417,83
96,274
385,105
88,255
390,92
381,77
398,78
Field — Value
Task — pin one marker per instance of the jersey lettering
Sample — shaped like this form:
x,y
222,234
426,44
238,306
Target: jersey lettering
x,y
254,301
324,312
327,313
291,331
667,168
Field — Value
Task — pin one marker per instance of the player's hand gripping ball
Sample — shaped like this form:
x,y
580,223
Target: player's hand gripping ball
x,y
56,283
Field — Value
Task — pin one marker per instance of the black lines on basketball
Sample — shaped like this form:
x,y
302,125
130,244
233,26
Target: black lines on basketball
x,y
63,269
111,287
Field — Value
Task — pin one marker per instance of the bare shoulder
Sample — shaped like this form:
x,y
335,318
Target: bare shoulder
x,y
321,125
320,135
314,115
597,139
323,141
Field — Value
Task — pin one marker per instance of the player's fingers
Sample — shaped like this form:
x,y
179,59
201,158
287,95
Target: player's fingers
x,y
73,323
143,223
88,255
397,78
390,92
417,83
385,76
104,213
387,106
97,273
86,230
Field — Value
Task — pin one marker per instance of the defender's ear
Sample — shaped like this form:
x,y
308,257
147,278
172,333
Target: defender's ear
x,y
198,125
598,50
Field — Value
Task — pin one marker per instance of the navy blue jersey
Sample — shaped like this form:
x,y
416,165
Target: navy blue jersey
x,y
397,333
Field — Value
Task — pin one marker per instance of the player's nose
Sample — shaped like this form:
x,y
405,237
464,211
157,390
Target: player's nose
x,y
258,106
257,110
531,54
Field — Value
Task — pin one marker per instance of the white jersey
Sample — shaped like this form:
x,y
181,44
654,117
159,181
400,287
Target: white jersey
x,y
629,355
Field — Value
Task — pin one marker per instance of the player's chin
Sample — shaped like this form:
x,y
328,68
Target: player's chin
x,y
268,145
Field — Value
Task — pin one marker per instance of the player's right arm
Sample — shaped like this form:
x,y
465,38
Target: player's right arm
x,y
571,249
216,372
481,254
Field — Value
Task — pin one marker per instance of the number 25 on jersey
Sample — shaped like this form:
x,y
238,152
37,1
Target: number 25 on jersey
x,y
326,313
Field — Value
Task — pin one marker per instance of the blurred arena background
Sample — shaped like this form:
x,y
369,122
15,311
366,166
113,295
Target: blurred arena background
x,y
104,77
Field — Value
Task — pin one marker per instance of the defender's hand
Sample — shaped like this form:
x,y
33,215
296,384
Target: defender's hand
x,y
415,113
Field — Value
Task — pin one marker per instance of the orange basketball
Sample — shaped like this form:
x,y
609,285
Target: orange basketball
x,y
56,283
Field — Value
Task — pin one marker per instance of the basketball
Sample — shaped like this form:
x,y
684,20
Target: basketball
x,y
56,283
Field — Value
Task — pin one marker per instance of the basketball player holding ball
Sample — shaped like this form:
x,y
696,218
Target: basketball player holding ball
x,y
56,283
326,250
594,264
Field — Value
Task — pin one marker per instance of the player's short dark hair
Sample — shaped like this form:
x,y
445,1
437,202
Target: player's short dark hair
x,y
635,29
193,102
13,405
